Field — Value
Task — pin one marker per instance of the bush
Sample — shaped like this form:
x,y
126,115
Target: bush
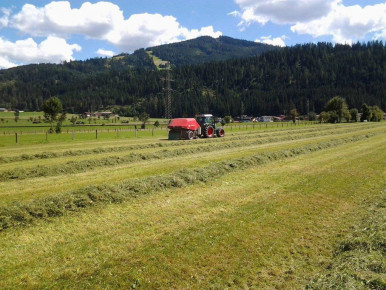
x,y
227,119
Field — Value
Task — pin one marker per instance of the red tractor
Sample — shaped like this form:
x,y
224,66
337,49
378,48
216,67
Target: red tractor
x,y
202,126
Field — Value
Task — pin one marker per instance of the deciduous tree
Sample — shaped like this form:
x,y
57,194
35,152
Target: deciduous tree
x,y
338,106
294,113
354,115
53,113
377,114
366,113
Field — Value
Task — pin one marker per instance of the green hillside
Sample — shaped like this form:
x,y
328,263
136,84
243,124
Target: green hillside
x,y
207,49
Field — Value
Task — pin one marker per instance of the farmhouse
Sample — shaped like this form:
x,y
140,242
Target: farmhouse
x,y
86,115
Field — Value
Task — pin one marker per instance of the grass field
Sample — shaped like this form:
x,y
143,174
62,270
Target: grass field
x,y
279,207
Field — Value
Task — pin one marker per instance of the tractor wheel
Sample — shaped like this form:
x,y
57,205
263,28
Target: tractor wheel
x,y
209,132
220,132
190,135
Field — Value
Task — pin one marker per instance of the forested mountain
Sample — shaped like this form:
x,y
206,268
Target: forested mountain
x,y
206,49
302,77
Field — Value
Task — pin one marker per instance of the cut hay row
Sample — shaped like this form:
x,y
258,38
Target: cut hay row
x,y
147,145
72,167
23,213
10,157
359,258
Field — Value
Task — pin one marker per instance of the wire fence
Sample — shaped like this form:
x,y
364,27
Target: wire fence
x,y
130,132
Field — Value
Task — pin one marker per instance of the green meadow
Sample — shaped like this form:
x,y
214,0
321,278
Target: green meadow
x,y
278,206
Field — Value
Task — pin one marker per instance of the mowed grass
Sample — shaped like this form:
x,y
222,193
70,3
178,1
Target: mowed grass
x,y
29,189
270,226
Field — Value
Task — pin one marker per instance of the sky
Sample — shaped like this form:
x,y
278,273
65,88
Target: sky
x,y
44,31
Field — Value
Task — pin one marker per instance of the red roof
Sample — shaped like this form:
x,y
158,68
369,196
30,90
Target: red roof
x,y
184,123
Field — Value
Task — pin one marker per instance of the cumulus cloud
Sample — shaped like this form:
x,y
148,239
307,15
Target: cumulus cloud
x,y
4,13
381,35
282,12
316,17
107,53
5,63
276,41
104,21
347,24
52,50
58,18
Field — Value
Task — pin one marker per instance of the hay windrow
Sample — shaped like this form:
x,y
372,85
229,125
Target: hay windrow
x,y
19,214
251,135
359,258
81,166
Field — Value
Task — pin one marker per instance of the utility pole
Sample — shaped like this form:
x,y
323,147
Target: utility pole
x,y
168,89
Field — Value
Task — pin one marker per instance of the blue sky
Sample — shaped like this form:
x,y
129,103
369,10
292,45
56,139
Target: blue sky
x,y
54,31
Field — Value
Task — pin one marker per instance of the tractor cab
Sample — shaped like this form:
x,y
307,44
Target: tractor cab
x,y
205,119
208,126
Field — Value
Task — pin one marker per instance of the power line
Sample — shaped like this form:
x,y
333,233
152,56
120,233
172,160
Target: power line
x,y
168,89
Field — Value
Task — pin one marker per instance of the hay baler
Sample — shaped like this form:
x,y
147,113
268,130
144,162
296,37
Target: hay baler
x,y
202,126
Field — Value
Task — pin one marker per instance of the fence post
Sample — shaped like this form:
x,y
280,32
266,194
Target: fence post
x,y
16,137
96,133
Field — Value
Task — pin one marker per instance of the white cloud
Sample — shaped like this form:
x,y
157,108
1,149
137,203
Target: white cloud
x,y
107,53
282,12
104,21
52,50
5,63
277,41
381,35
58,18
317,17
5,17
347,24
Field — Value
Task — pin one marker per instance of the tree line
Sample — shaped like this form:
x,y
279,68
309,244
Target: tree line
x,y
337,111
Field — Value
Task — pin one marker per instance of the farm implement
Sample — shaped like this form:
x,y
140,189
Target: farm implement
x,y
202,126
